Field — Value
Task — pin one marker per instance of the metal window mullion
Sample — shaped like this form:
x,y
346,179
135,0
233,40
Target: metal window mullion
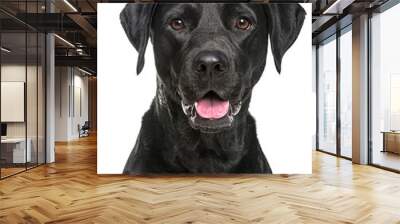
x,y
338,97
26,87
317,95
45,89
369,94
37,90
0,93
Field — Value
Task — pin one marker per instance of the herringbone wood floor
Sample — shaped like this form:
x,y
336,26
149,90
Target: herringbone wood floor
x,y
70,191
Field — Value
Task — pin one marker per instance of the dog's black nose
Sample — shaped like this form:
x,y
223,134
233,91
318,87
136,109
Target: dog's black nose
x,y
210,63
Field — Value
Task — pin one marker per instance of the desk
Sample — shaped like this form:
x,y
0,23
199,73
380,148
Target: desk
x,y
15,148
391,141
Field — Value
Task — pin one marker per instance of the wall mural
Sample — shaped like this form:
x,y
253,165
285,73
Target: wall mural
x,y
207,99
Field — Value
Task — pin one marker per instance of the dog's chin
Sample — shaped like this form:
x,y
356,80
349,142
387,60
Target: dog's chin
x,y
211,126
210,115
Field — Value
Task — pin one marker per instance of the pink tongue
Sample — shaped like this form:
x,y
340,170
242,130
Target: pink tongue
x,y
212,108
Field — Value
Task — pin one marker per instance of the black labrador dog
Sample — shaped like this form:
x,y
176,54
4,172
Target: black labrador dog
x,y
208,57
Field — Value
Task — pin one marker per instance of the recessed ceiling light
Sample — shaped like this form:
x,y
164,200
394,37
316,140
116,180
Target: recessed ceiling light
x,y
5,50
70,5
84,71
64,40
338,6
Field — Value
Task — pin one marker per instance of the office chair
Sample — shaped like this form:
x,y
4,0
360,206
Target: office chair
x,y
84,130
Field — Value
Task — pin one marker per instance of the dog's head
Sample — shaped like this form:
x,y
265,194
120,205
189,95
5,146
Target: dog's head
x,y
209,56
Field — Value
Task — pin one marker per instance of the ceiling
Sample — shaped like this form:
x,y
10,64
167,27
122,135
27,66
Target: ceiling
x,y
76,22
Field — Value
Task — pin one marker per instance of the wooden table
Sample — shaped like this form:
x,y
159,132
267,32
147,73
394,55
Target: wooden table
x,y
391,141
13,150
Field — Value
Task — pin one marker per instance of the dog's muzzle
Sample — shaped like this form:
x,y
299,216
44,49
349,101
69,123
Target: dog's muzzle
x,y
211,115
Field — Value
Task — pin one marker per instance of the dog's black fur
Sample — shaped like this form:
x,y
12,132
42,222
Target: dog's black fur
x,y
170,139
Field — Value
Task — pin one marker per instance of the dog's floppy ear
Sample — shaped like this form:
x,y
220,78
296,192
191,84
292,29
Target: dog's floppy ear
x,y
284,25
136,21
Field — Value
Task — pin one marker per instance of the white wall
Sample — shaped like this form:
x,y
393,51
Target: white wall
x,y
61,103
70,83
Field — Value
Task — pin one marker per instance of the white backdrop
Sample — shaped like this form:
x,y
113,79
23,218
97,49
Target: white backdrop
x,y
281,104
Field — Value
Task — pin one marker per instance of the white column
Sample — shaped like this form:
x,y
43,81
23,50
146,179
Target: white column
x,y
50,93
360,90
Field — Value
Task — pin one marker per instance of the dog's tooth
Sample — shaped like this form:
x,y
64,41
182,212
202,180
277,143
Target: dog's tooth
x,y
192,111
193,117
184,108
187,109
235,109
230,117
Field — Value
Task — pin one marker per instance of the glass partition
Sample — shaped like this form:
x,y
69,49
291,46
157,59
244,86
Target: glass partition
x,y
22,78
13,103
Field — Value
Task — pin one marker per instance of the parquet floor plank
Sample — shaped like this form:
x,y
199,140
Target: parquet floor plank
x,y
70,191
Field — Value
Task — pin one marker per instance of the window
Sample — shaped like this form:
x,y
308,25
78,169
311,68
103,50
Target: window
x,y
327,96
385,89
346,93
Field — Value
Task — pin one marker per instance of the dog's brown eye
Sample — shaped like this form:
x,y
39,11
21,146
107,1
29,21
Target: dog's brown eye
x,y
243,23
177,24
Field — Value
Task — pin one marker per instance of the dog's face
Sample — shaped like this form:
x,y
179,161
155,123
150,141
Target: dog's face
x,y
209,56
206,54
